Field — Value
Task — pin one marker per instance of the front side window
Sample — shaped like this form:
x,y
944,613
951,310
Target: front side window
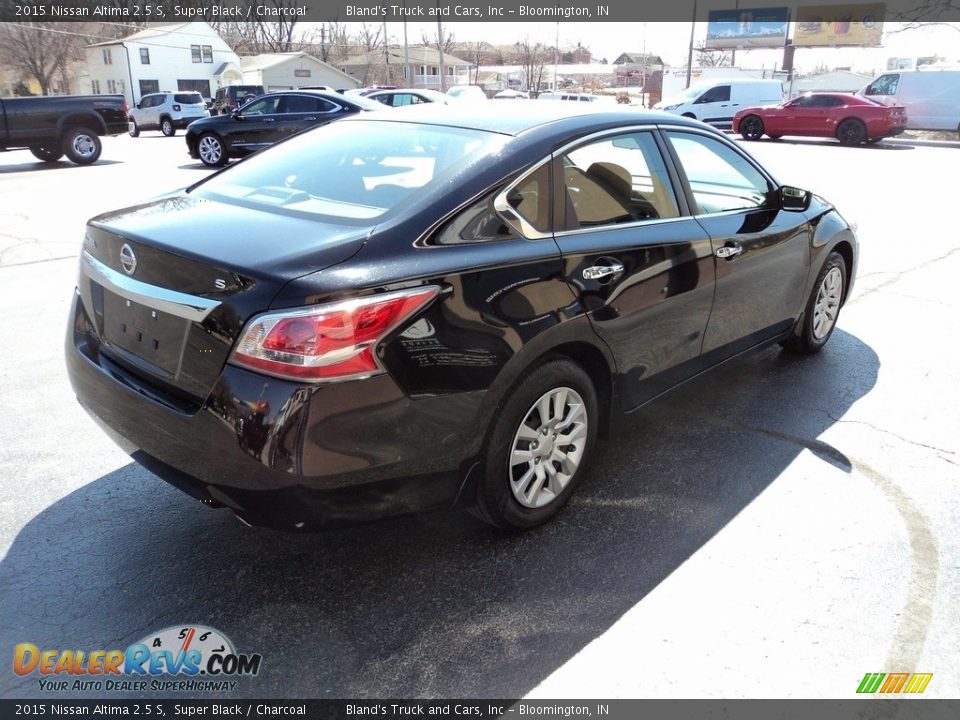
x,y
263,106
720,93
884,85
144,56
720,178
615,180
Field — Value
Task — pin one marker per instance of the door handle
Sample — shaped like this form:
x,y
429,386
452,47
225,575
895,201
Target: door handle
x,y
310,118
268,120
598,272
729,252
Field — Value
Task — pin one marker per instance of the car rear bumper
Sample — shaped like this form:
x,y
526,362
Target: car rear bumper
x,y
281,454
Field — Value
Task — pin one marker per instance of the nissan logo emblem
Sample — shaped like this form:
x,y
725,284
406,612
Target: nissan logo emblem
x,y
128,261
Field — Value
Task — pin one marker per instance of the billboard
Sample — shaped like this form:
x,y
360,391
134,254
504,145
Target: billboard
x,y
831,25
747,28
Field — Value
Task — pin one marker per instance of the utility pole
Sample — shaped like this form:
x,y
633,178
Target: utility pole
x,y
556,51
386,54
443,76
406,52
693,25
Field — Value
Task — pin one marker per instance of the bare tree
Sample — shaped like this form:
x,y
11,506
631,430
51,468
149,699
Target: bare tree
x,y
533,57
707,57
43,50
446,46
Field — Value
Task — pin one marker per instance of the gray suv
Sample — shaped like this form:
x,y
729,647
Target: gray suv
x,y
231,97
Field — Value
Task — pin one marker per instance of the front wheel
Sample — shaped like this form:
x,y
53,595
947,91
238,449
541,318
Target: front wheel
x,y
539,445
167,127
134,129
851,132
823,307
82,146
47,154
211,150
751,127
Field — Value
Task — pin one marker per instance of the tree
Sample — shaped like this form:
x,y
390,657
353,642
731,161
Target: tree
x,y
43,50
532,57
707,57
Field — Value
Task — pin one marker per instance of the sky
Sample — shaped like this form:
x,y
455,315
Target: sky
x,y
671,40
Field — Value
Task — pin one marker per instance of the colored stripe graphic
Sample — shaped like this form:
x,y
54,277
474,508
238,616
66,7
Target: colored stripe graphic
x,y
894,683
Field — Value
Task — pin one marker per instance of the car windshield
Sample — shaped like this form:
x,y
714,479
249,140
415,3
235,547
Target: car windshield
x,y
351,172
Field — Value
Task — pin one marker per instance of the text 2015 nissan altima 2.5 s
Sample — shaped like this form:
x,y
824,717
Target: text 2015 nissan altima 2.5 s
x,y
443,307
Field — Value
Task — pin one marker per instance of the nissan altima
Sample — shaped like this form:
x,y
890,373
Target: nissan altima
x,y
445,307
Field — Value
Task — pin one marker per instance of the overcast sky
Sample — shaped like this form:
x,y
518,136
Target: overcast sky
x,y
671,40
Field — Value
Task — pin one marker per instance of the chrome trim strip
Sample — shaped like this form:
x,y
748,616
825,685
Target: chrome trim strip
x,y
511,217
188,307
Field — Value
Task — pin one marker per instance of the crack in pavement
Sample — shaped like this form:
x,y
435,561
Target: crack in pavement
x,y
898,275
890,432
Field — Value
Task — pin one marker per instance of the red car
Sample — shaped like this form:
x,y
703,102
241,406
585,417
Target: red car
x,y
851,119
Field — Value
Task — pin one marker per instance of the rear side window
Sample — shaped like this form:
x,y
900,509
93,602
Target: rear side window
x,y
305,104
188,98
620,179
884,85
720,178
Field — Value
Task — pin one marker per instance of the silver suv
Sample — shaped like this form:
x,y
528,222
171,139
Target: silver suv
x,y
166,112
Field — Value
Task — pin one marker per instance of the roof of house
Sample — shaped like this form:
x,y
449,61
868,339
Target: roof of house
x,y
269,60
639,58
419,55
154,31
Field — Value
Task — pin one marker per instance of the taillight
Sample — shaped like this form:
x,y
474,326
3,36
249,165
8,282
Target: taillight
x,y
126,108
335,341
176,108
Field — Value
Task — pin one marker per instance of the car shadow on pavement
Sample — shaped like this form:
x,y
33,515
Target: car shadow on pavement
x,y
58,165
437,604
881,145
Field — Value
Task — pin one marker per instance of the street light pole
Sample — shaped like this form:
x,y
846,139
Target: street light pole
x,y
693,25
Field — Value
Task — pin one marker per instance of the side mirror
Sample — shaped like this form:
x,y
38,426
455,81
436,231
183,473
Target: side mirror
x,y
236,115
794,199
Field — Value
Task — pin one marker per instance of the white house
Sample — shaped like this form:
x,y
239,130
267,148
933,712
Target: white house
x,y
168,57
287,71
390,67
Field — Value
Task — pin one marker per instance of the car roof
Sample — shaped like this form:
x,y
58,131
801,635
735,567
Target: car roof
x,y
524,117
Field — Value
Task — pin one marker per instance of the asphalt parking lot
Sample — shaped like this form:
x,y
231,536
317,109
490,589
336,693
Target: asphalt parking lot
x,y
776,529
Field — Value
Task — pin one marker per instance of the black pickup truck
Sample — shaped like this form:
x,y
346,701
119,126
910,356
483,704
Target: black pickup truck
x,y
71,125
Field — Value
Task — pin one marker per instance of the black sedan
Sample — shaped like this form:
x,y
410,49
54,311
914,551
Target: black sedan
x,y
439,307
266,120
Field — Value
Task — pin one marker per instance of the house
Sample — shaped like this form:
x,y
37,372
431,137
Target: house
x,y
286,71
639,59
164,56
639,70
388,67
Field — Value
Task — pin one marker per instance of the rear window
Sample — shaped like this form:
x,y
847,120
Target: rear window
x,y
188,98
352,172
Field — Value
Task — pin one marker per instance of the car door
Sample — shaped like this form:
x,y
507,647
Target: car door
x,y
299,112
811,115
714,107
149,112
640,265
257,126
761,252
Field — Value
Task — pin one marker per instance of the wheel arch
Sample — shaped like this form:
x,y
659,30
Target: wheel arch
x,y
845,250
81,119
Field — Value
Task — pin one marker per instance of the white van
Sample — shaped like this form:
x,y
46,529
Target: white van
x,y
716,102
931,97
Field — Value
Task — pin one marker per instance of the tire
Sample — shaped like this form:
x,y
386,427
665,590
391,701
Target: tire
x,y
774,137
851,132
751,127
823,307
529,493
134,129
211,150
47,154
167,127
82,146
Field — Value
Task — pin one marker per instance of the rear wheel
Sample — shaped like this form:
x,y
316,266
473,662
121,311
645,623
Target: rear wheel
x,y
211,150
823,307
751,127
134,129
47,154
539,445
81,145
851,132
167,127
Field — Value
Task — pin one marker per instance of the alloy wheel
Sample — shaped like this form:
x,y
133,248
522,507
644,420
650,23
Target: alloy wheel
x,y
547,447
84,146
210,149
827,305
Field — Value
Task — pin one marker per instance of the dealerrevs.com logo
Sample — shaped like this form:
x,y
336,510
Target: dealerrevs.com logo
x,y
187,658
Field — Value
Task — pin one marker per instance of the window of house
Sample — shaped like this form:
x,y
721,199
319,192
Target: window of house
x,y
615,180
720,178
149,86
195,53
207,54
450,70
144,56
111,87
200,86
107,57
95,87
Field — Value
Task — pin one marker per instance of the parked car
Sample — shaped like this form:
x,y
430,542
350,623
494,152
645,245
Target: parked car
x,y
931,98
574,97
402,98
231,97
509,94
716,103
71,125
266,120
167,112
364,91
398,311
469,93
850,119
